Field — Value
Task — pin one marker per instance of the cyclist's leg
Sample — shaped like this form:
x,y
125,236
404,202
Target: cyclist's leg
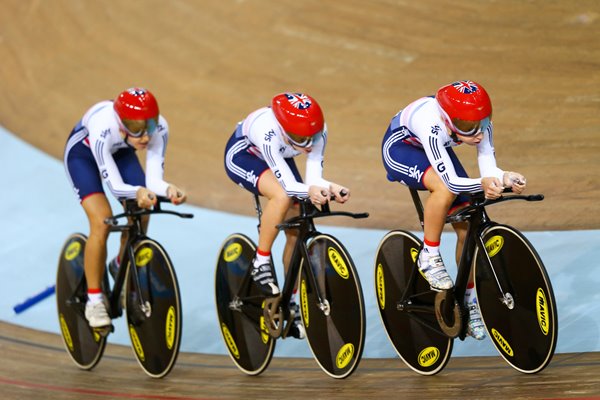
x,y
132,173
291,236
475,326
409,165
275,210
440,203
97,210
82,172
435,210
252,173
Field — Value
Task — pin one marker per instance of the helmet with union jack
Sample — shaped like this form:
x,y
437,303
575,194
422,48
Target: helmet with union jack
x,y
465,104
298,114
136,103
137,110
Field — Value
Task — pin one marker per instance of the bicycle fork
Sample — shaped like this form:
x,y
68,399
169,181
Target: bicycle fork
x,y
506,297
144,305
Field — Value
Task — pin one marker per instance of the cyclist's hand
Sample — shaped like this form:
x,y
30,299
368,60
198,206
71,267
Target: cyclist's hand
x,y
176,195
145,198
342,194
515,181
492,187
318,195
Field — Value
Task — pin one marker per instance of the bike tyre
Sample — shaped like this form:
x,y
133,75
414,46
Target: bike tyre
x,y
337,339
526,335
155,339
423,349
244,331
83,344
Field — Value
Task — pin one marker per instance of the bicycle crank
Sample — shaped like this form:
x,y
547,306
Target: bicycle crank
x,y
447,313
273,316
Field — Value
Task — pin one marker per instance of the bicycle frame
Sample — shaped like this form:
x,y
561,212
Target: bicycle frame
x,y
304,223
478,220
135,233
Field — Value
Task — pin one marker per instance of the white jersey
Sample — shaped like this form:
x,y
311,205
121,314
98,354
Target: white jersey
x,y
101,133
265,135
420,124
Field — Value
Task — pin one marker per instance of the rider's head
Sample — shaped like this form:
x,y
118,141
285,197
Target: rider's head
x,y
137,110
466,107
300,117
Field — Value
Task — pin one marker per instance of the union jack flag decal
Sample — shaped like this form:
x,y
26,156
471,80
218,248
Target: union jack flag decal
x,y
136,91
465,87
298,100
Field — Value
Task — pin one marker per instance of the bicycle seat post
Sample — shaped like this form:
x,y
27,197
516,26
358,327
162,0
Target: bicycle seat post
x,y
258,209
418,205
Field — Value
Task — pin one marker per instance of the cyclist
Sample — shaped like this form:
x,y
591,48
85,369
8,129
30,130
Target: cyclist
x,y
259,156
102,146
417,152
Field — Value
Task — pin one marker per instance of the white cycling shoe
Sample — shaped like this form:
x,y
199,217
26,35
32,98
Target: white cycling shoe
x,y
434,270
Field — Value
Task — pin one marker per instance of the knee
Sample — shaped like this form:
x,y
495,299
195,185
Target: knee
x,y
443,194
282,200
98,228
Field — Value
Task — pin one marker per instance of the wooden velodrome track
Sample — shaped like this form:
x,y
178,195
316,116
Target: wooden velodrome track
x,y
212,62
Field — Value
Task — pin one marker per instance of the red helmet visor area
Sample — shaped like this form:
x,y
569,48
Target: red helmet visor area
x,y
470,128
139,128
302,141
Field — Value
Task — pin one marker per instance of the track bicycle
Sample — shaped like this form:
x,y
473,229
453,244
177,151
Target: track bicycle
x,y
145,286
513,290
331,299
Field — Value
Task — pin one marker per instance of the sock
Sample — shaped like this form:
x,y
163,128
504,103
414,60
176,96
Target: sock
x,y
469,292
430,248
262,257
94,296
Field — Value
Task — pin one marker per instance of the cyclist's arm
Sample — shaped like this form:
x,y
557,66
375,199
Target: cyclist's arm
x,y
155,159
433,144
314,162
270,151
486,157
102,137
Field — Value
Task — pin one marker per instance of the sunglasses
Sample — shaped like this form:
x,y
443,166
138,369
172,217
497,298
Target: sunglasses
x,y
480,127
139,128
304,141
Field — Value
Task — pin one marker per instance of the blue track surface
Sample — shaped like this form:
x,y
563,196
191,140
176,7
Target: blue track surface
x,y
38,211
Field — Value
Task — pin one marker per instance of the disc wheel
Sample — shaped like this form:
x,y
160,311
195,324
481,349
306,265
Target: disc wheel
x,y
335,324
415,335
84,345
240,307
521,319
154,324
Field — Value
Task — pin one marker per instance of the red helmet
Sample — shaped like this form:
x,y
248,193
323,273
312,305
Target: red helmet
x,y
464,100
136,104
138,111
298,113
